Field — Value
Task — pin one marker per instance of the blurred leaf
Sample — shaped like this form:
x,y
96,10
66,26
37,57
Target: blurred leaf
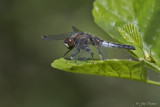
x,y
114,68
130,33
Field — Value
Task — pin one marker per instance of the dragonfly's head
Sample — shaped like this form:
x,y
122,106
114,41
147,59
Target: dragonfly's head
x,y
69,43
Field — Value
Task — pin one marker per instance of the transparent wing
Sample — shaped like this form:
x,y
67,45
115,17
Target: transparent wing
x,y
103,51
82,56
75,29
60,36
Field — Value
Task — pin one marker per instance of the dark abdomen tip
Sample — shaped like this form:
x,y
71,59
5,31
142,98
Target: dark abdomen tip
x,y
128,47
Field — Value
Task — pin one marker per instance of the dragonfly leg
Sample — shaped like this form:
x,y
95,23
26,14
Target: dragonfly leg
x,y
88,50
98,48
67,52
100,53
75,53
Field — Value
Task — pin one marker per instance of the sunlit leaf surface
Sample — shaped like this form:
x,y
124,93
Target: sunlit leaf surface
x,y
130,33
127,14
111,14
114,68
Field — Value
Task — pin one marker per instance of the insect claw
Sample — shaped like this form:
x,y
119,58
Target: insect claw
x,y
71,58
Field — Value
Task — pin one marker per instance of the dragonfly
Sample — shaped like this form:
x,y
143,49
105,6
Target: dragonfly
x,y
80,41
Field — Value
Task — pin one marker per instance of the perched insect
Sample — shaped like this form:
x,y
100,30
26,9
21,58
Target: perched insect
x,y
81,41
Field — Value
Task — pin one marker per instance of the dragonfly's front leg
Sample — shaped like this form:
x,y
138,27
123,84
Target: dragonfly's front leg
x,y
75,53
67,52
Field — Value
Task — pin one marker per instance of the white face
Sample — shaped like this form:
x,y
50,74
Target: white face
x,y
65,44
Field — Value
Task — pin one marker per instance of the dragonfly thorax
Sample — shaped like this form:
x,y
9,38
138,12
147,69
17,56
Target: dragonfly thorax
x,y
69,43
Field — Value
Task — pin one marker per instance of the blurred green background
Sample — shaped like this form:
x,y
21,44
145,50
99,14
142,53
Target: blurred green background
x,y
26,76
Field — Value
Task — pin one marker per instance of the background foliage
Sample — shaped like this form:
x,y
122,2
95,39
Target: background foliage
x,y
26,78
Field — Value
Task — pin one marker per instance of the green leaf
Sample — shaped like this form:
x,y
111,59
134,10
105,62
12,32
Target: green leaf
x,y
117,15
111,14
132,70
130,33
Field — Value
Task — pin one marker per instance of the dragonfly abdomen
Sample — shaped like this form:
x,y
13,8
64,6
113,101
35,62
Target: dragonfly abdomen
x,y
114,45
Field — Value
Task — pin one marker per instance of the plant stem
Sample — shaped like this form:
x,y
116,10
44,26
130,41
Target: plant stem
x,y
152,65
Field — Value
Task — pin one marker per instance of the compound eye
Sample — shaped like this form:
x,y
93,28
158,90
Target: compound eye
x,y
67,42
